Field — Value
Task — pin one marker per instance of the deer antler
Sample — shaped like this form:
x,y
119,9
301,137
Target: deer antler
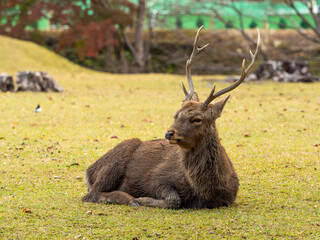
x,y
244,74
195,51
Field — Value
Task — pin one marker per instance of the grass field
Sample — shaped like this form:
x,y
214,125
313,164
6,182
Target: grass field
x,y
270,131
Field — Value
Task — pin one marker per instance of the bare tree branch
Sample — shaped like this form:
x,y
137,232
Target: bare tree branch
x,y
302,33
241,29
310,6
129,44
290,3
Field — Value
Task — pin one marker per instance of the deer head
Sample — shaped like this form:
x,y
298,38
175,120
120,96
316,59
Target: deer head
x,y
195,120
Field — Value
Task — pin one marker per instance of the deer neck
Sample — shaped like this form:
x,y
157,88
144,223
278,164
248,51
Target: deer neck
x,y
207,166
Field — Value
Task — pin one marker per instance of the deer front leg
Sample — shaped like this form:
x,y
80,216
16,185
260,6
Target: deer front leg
x,y
116,197
167,197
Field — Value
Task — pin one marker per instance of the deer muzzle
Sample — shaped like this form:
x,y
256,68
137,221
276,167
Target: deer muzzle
x,y
169,135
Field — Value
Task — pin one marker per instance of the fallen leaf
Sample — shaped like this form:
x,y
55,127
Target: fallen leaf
x,y
33,125
297,167
49,148
239,145
316,144
24,138
27,210
246,135
74,164
114,136
122,126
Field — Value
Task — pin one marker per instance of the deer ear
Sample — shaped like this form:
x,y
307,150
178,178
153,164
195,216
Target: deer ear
x,y
218,106
195,97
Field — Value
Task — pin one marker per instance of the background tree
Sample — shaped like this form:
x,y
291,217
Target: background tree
x,y
91,28
15,17
140,49
96,33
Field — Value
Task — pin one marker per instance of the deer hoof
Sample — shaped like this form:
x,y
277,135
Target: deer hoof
x,y
135,204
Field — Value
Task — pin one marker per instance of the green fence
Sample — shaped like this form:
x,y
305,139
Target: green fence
x,y
169,14
187,14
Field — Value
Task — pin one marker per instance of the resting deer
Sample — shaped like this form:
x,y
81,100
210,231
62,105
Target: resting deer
x,y
190,169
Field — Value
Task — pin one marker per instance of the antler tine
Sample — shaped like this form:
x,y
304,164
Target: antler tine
x,y
195,51
244,74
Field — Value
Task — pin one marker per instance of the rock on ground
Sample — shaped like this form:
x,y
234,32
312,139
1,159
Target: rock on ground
x,y
37,81
6,83
285,71
280,71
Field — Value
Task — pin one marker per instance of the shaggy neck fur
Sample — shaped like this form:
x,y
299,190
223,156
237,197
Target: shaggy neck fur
x,y
207,166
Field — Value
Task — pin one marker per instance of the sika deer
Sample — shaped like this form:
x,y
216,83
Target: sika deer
x,y
190,169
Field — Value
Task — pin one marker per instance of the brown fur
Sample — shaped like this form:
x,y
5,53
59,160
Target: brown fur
x,y
193,171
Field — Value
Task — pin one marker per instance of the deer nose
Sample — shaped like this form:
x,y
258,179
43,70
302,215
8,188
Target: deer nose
x,y
169,134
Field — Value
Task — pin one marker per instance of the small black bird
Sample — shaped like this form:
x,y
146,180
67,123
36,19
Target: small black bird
x,y
38,108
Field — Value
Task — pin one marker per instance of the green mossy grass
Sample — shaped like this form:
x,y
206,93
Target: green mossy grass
x,y
270,131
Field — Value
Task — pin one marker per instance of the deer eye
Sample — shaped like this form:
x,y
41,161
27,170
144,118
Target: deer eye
x,y
196,120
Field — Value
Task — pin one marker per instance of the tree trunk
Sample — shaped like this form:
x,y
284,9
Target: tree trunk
x,y
138,38
123,61
109,60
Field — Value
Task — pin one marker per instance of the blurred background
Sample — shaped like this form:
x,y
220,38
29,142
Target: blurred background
x,y
142,36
